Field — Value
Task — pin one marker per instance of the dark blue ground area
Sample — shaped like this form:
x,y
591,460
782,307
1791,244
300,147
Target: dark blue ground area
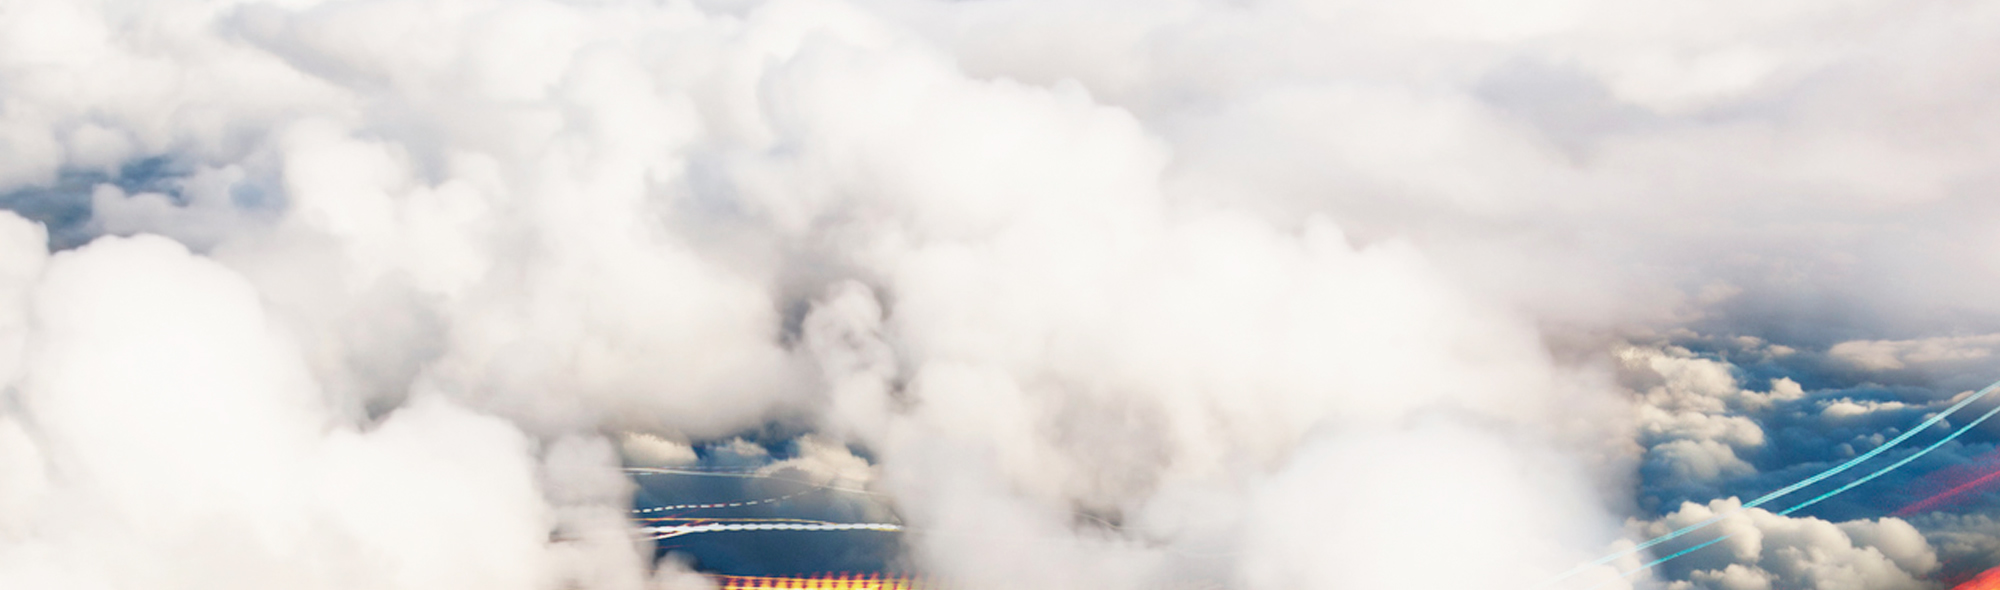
x,y
769,553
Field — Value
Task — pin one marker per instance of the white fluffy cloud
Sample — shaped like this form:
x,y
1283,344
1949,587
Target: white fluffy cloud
x,y
1691,413
1114,294
1771,552
178,442
1884,355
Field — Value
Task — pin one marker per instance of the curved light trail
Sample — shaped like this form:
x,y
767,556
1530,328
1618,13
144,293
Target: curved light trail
x,y
1927,503
690,526
1988,463
713,505
1893,466
840,581
1836,470
1650,564
1850,485
669,531
732,473
693,525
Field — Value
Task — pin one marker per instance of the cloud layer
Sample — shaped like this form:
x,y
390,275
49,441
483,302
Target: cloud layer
x,y
362,293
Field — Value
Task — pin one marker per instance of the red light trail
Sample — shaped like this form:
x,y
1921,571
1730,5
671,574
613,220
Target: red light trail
x,y
1975,475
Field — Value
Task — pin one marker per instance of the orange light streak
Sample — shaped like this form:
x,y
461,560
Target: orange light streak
x,y
833,581
1986,581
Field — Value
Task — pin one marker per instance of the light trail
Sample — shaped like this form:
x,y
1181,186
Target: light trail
x,y
1650,564
717,472
713,505
665,532
699,525
1850,485
1990,462
698,519
1836,470
840,581
1892,467
738,474
1927,503
1988,580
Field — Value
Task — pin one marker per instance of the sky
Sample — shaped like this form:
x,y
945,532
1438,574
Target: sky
x,y
1106,294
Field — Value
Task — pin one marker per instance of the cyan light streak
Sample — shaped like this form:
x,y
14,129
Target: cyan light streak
x,y
1823,497
1836,470
1893,466
1650,564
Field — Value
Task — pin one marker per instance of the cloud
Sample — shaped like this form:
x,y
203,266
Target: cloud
x,y
1966,543
1694,420
646,450
1768,551
181,431
824,463
1883,355
1698,461
1440,483
1253,294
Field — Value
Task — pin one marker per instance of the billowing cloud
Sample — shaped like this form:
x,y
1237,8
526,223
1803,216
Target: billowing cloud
x,y
177,440
369,293
1767,551
1935,354
636,448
